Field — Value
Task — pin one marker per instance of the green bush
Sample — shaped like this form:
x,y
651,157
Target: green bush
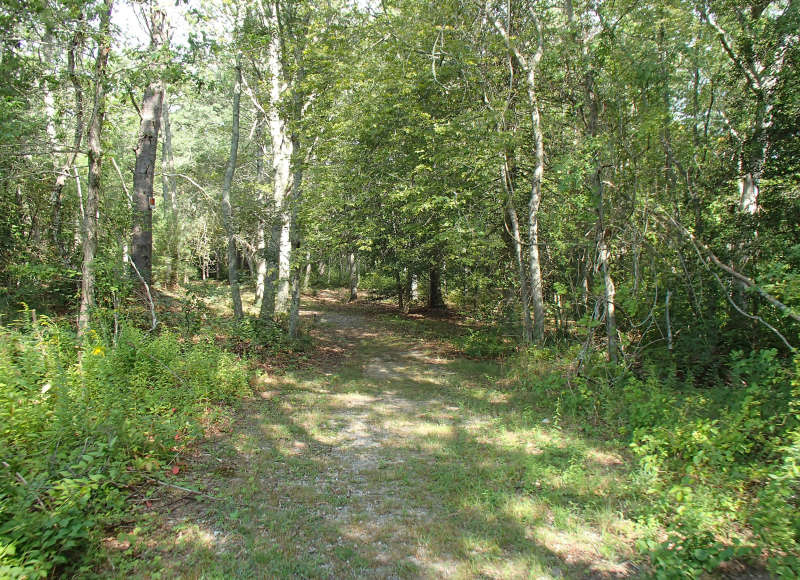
x,y
74,431
722,463
485,344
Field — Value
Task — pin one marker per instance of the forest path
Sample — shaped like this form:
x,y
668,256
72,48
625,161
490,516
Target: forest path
x,y
390,458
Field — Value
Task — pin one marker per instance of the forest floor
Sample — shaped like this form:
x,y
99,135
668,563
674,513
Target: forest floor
x,y
386,454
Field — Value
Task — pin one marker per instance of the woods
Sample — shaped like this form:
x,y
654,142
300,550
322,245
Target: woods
x,y
605,194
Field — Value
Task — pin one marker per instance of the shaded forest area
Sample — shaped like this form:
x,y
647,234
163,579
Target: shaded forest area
x,y
608,193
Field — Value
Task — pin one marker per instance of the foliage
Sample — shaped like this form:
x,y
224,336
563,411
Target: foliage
x,y
715,460
76,433
480,343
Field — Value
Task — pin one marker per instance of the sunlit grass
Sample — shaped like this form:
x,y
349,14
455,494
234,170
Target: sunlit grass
x,y
400,463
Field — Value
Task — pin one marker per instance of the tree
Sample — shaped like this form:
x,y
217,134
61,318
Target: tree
x,y
92,207
227,217
144,169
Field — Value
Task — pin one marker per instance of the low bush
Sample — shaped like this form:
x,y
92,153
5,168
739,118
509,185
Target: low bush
x,y
720,463
76,430
485,344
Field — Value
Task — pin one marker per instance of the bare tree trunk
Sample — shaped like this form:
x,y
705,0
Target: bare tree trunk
x,y
61,179
435,299
402,303
537,299
144,169
227,212
307,275
295,239
277,290
90,216
261,231
522,273
529,64
352,267
609,290
170,194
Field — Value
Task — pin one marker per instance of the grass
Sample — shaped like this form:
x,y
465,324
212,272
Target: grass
x,y
397,460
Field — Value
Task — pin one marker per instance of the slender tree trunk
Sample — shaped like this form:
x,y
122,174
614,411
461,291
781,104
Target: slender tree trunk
x,y
537,299
170,195
295,238
522,272
144,169
63,175
307,275
352,267
609,289
227,212
402,303
90,215
261,230
529,64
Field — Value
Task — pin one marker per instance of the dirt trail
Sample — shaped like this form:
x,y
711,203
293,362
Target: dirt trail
x,y
371,464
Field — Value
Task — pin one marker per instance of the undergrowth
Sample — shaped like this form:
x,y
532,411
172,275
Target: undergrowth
x,y
720,463
79,427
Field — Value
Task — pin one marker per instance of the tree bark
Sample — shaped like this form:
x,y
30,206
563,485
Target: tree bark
x,y
516,238
435,299
307,275
144,169
603,254
90,214
529,64
352,267
261,230
170,195
227,212
276,288
295,241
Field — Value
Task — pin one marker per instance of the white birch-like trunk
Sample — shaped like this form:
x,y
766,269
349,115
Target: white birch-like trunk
x,y
519,255
529,64
278,267
352,267
260,257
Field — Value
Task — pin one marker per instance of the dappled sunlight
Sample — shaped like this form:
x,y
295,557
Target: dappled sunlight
x,y
397,462
580,546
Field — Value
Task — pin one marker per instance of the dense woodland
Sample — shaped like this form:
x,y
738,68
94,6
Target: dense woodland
x,y
608,192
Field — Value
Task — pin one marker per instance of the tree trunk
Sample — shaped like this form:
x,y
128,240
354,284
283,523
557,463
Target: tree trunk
x,y
90,215
609,290
307,275
170,195
227,212
402,303
278,268
529,64
352,267
435,299
537,300
522,273
295,241
144,169
61,179
261,230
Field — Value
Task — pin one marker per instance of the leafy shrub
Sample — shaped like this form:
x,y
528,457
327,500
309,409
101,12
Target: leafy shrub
x,y
74,432
721,462
485,344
